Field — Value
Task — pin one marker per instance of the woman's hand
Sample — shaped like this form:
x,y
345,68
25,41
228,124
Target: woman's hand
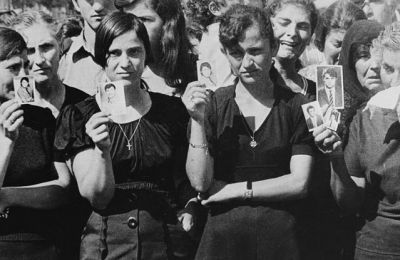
x,y
11,118
97,130
221,192
327,140
187,221
195,98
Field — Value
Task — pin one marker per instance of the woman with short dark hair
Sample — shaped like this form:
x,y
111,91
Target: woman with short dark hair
x,y
129,167
250,154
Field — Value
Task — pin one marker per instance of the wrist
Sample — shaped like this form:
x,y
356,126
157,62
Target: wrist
x,y
247,195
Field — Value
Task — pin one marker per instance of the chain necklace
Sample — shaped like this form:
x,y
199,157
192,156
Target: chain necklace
x,y
126,137
253,143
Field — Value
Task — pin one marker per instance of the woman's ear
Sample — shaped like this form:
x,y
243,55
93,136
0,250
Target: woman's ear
x,y
214,8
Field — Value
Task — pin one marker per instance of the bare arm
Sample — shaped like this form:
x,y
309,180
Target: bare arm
x,y
47,195
93,167
347,190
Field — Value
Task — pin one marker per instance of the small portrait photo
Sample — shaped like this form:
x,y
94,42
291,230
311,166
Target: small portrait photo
x,y
24,89
330,94
313,115
112,95
334,119
206,74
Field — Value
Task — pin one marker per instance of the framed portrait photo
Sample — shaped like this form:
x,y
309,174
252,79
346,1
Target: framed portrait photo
x,y
330,92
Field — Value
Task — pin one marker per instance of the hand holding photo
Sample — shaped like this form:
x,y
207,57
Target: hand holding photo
x,y
206,74
112,96
313,115
330,87
24,88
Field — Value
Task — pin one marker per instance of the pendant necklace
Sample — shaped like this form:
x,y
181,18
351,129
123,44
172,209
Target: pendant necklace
x,y
126,137
253,143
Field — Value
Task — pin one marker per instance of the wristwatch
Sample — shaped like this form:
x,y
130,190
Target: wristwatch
x,y
248,193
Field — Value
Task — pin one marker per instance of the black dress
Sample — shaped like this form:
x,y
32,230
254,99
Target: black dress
x,y
254,230
151,183
30,233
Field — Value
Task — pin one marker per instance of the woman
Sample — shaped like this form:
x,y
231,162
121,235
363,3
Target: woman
x,y
34,189
294,23
242,141
364,176
361,69
172,67
330,32
129,167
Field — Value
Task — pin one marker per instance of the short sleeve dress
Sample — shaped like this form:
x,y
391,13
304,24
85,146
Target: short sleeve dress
x,y
151,183
253,230
374,156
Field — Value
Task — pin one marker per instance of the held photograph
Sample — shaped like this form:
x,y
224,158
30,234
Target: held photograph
x,y
24,88
112,96
313,115
206,74
330,87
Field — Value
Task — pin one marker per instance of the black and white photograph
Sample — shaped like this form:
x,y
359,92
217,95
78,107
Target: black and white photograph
x,y
206,74
330,93
334,120
313,115
112,95
24,89
200,129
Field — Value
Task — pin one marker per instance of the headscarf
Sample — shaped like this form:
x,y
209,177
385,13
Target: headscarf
x,y
355,95
361,32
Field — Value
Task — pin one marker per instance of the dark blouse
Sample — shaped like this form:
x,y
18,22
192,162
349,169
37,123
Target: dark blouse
x,y
156,161
31,163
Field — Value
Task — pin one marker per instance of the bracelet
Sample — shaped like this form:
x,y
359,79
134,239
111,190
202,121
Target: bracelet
x,y
248,193
199,146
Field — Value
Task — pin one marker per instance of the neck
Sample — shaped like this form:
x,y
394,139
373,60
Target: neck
x,y
262,91
288,74
90,36
51,93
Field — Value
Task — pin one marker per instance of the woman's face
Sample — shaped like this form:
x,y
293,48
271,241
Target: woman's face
x,y
368,71
251,59
333,45
43,52
390,69
126,58
25,83
292,27
152,21
17,65
206,71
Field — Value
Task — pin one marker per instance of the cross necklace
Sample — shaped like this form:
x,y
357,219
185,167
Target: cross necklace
x,y
253,143
126,137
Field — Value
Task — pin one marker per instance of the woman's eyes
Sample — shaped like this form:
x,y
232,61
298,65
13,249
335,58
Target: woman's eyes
x,y
388,69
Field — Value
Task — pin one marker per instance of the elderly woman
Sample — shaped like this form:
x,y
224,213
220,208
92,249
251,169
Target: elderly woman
x,y
364,176
130,167
294,22
249,153
361,69
34,186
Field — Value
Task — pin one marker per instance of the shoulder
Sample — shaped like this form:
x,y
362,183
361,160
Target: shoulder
x,y
74,95
224,94
168,107
80,111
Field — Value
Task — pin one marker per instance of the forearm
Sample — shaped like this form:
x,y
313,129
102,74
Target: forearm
x,y
348,195
97,182
45,197
5,155
198,165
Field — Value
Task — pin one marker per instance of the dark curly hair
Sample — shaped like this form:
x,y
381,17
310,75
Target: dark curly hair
x,y
11,43
238,19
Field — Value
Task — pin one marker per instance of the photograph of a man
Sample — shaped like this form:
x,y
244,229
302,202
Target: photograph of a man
x,y
334,119
112,96
24,89
330,87
313,115
110,91
206,75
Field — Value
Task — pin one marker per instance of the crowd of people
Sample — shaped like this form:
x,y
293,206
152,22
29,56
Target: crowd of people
x,y
193,170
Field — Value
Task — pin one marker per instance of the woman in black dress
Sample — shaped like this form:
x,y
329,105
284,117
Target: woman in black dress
x,y
130,167
34,189
250,151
